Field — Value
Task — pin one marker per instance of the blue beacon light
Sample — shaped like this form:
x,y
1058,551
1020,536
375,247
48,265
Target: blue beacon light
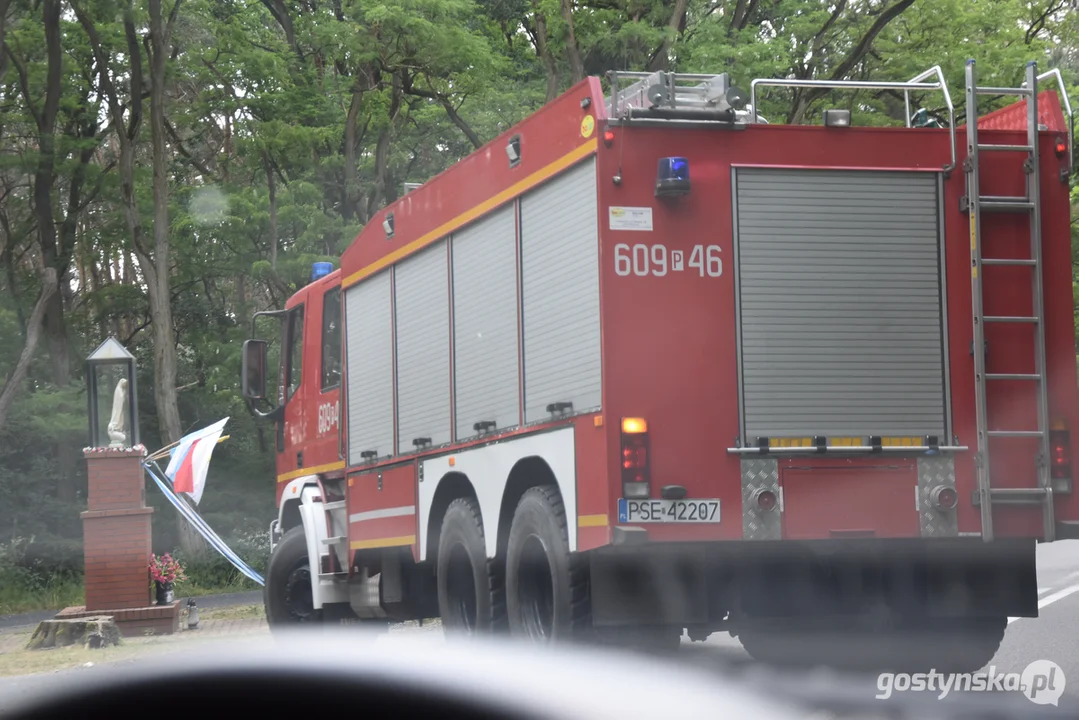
x,y
320,270
672,177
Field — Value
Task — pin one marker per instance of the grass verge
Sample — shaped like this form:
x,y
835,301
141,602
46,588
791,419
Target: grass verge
x,y
56,593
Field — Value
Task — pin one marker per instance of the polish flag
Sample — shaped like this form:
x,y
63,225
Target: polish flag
x,y
191,460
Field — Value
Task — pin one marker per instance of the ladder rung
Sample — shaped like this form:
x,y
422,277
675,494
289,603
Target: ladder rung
x,y
1013,496
1015,433
1010,319
1038,493
1002,203
1009,261
1022,92
334,540
1006,148
335,505
1013,376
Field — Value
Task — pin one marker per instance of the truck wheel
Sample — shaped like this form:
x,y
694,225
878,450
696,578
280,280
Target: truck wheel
x,y
471,593
964,647
546,586
287,594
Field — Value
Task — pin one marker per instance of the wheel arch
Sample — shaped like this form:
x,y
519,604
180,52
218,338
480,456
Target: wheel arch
x,y
452,486
527,473
499,474
292,498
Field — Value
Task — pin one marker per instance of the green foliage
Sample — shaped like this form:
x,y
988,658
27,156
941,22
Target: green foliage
x,y
29,583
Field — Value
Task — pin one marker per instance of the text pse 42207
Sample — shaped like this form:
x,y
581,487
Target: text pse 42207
x,y
668,511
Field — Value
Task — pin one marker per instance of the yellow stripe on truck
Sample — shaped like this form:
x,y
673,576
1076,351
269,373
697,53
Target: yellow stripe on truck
x,y
383,542
313,470
468,216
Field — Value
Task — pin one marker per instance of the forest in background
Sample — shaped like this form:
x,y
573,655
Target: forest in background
x,y
169,167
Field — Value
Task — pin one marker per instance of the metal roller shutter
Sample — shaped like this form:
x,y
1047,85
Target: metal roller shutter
x,y
840,303
369,342
421,288
560,293
486,386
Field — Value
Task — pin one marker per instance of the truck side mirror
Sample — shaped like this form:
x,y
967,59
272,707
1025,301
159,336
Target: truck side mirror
x,y
253,374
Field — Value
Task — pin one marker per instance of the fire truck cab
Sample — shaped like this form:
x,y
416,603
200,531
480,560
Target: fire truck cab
x,y
646,365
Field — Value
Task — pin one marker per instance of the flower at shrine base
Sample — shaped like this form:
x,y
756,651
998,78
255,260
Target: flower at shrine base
x,y
165,569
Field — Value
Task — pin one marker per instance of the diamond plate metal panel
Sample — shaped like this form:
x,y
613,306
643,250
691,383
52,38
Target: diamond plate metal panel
x,y
935,472
760,473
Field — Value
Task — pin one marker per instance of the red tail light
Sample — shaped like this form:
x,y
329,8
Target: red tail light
x,y
1060,147
634,457
608,137
1060,458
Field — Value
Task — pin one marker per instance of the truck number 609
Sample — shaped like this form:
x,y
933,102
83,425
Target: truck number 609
x,y
642,260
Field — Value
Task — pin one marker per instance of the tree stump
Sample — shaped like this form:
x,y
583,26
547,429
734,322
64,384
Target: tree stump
x,y
92,632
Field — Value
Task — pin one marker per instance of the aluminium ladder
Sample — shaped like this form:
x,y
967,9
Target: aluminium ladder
x,y
1030,205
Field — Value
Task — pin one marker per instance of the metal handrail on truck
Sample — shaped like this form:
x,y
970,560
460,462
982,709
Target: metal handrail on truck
x,y
915,83
711,97
1063,93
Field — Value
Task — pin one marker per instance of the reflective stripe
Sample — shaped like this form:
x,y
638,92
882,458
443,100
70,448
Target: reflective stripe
x,y
383,513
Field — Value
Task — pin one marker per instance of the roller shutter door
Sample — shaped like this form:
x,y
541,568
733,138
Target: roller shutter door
x,y
840,303
560,293
369,342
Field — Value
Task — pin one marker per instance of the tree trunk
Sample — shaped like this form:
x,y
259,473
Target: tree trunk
x,y
575,64
160,297
49,288
164,335
271,185
540,23
351,195
661,60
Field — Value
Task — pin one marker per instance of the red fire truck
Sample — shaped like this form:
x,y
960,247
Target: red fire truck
x,y
646,365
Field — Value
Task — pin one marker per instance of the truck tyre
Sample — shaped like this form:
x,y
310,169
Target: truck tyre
x,y
287,595
966,647
955,646
471,591
546,587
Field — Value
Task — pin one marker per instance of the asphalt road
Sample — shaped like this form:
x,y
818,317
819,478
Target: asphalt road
x,y
1054,636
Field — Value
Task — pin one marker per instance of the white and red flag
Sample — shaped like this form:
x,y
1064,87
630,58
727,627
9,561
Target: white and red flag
x,y
190,460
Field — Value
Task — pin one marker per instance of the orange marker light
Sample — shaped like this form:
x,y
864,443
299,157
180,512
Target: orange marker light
x,y
453,461
634,426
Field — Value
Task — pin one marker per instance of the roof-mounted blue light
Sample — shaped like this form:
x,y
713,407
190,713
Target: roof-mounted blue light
x,y
321,270
672,177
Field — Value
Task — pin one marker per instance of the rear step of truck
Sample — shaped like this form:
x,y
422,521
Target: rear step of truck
x,y
1030,205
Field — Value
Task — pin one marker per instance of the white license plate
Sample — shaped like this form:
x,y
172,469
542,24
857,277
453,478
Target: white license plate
x,y
668,511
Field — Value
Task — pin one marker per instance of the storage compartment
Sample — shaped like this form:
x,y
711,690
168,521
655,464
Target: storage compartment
x,y
846,501
839,291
